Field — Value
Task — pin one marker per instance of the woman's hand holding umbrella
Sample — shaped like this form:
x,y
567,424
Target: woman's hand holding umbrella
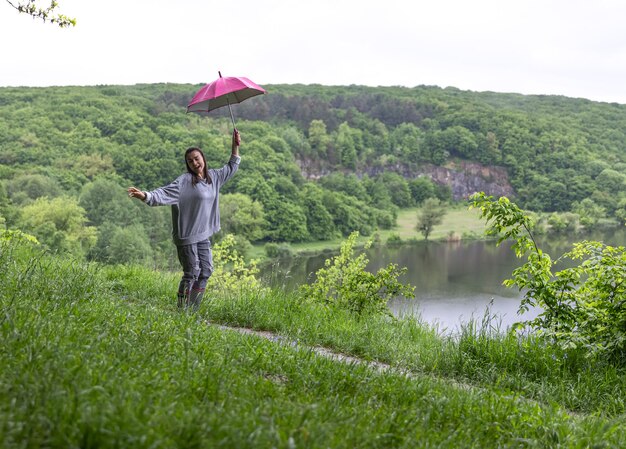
x,y
236,142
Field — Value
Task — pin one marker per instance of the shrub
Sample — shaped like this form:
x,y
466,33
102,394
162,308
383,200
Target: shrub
x,y
583,307
394,239
271,249
343,282
274,250
231,273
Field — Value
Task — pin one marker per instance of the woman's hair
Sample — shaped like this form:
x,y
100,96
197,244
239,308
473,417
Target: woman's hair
x,y
195,179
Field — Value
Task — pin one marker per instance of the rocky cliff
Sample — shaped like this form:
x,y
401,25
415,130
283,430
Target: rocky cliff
x,y
463,177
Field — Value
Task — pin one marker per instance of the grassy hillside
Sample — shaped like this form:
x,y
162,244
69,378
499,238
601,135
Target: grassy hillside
x,y
98,356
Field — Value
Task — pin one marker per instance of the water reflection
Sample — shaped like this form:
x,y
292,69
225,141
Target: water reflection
x,y
454,282
448,314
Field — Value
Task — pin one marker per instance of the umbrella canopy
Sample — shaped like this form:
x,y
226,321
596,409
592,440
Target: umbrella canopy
x,y
224,91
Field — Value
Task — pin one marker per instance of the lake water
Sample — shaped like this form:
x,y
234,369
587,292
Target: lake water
x,y
454,281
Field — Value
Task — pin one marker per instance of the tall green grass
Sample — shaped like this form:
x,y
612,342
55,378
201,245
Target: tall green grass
x,y
99,357
480,355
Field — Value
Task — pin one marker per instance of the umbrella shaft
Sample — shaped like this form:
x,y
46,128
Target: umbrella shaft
x,y
232,117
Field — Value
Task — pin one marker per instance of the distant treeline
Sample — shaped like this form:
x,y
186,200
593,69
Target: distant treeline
x,y
66,154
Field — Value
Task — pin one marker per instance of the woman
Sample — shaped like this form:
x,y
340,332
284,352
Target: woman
x,y
194,197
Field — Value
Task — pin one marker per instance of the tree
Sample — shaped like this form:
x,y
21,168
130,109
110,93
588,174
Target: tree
x,y
92,165
242,216
56,140
406,141
130,245
436,148
611,181
589,212
26,188
60,224
398,189
544,194
287,221
620,212
429,216
421,189
349,214
8,212
254,185
345,145
563,222
488,151
296,140
349,184
121,245
31,8
106,201
378,193
459,141
318,137
319,221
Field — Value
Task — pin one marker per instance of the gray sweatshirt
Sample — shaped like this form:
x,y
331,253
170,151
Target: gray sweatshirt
x,y
195,209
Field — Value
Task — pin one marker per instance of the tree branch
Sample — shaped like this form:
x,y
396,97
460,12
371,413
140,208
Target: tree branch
x,y
45,14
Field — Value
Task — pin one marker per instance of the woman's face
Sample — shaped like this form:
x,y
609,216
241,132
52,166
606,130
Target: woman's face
x,y
196,163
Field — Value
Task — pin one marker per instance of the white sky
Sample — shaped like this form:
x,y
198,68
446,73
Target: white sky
x,y
575,48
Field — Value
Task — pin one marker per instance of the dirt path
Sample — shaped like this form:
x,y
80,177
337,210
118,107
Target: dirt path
x,y
320,350
377,366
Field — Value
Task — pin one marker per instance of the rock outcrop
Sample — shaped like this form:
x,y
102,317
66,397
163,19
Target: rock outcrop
x,y
463,177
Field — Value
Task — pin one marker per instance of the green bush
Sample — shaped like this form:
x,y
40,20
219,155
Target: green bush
x,y
343,282
271,249
394,239
231,273
275,250
584,306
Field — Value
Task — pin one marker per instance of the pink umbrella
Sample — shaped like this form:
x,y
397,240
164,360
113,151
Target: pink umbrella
x,y
222,92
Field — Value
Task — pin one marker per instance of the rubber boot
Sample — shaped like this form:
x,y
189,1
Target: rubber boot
x,y
184,294
195,298
180,302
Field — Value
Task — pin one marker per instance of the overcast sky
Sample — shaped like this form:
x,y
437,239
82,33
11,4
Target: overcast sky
x,y
575,48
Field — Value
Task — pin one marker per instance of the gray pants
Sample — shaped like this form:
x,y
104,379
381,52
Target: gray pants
x,y
197,262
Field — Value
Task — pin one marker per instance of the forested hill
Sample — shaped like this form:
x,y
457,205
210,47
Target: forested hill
x,y
370,150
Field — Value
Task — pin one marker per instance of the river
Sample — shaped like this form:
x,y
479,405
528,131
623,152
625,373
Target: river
x,y
454,281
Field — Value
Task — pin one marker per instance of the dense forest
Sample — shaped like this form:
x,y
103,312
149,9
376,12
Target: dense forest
x,y
317,161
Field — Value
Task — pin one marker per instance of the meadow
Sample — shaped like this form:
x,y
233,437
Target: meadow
x,y
458,222
99,356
